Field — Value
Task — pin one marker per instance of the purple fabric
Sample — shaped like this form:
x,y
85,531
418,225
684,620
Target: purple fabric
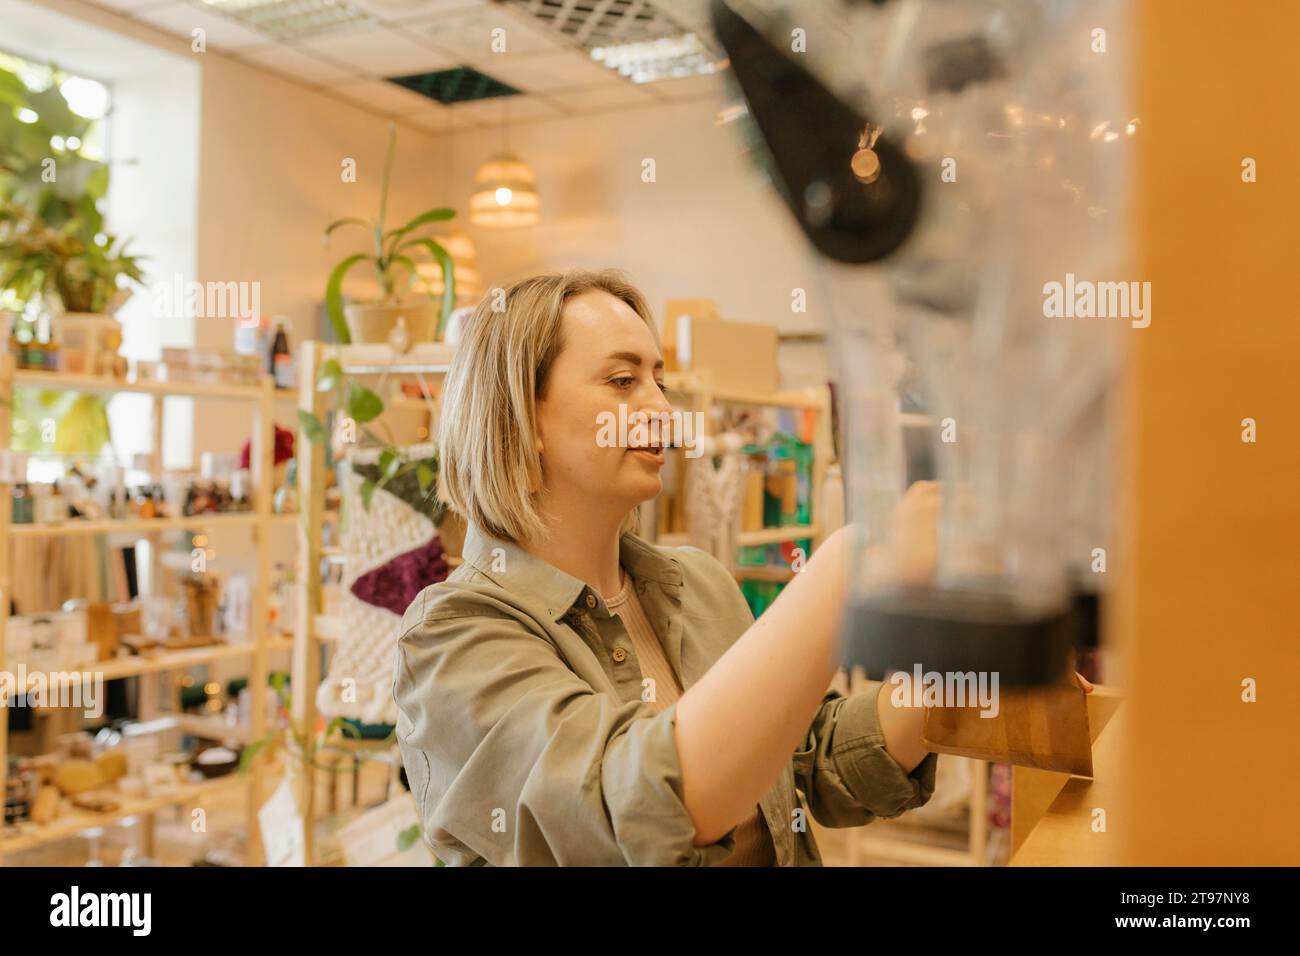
x,y
393,586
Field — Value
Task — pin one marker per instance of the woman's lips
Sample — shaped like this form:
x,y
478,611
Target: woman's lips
x,y
654,453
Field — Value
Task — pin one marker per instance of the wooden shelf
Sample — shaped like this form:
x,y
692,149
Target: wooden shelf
x,y
777,535
291,517
743,572
430,358
72,382
748,538
211,728
133,666
786,398
72,526
75,821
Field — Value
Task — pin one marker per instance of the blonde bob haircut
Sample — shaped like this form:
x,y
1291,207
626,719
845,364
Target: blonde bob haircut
x,y
490,469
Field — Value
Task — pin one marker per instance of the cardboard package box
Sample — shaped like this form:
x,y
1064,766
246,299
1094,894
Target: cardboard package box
x,y
1043,727
728,356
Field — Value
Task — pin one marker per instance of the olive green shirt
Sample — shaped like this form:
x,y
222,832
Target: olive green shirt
x,y
527,742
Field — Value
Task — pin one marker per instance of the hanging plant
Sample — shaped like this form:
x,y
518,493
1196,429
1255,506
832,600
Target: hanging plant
x,y
395,466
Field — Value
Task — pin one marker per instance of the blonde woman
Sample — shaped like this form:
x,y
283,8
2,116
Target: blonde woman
x,y
573,695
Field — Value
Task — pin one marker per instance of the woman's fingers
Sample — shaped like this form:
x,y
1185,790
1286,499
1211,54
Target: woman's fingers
x,y
916,538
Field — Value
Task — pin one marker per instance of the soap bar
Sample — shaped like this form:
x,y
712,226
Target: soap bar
x,y
112,765
45,808
78,776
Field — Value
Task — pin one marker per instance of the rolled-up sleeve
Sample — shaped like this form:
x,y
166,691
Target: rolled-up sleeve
x,y
845,772
515,760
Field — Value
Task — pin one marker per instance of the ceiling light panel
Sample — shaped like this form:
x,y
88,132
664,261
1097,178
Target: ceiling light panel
x,y
635,38
292,19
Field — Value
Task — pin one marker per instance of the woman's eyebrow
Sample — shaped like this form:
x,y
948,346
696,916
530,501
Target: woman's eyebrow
x,y
634,358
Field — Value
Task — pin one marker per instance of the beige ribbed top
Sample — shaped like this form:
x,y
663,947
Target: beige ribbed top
x,y
753,842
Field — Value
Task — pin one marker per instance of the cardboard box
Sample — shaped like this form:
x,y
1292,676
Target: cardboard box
x,y
674,310
1045,728
734,356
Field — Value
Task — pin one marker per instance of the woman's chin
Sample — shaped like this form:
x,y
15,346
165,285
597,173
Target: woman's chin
x,y
641,489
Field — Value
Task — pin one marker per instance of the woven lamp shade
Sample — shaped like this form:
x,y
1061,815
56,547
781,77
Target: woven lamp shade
x,y
505,194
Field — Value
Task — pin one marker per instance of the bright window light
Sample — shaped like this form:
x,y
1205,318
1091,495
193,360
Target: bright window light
x,y
86,98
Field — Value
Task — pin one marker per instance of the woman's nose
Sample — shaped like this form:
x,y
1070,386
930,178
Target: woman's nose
x,y
654,404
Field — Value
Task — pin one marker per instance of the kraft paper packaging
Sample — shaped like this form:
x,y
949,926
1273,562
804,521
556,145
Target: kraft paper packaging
x,y
1046,727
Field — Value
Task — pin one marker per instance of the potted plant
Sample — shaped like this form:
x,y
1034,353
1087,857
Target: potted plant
x,y
421,319
362,406
54,250
57,264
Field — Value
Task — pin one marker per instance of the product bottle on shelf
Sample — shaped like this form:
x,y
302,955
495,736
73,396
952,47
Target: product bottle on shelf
x,y
22,504
280,361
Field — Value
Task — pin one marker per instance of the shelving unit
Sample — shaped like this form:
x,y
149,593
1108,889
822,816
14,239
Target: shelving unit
x,y
314,628
74,526
697,386
74,822
260,520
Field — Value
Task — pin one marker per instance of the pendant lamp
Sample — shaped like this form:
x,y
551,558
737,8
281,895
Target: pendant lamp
x,y
505,191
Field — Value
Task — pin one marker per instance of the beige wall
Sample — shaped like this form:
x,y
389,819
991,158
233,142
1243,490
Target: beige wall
x,y
708,226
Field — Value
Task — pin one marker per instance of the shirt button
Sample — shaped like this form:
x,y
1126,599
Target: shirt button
x,y
591,600
619,655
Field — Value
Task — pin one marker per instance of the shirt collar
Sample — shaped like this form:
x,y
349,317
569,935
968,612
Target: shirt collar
x,y
529,577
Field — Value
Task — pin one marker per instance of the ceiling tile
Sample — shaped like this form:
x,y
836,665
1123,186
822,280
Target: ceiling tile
x,y
387,52
506,109
384,97
182,19
468,33
130,6
297,64
542,72
401,11
689,87
592,99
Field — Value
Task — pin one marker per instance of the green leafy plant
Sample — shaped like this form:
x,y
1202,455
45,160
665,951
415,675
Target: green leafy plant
x,y
83,271
391,256
363,406
52,236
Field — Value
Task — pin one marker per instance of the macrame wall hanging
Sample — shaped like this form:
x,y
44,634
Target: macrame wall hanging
x,y
391,552
714,496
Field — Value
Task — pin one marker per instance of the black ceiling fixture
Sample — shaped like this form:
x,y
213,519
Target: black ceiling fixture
x,y
461,84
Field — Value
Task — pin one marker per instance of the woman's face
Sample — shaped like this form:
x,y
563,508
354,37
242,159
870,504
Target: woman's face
x,y
608,358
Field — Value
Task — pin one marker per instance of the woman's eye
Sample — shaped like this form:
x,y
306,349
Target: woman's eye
x,y
623,381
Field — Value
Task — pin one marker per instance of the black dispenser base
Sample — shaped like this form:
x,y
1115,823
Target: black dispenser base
x,y
960,632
